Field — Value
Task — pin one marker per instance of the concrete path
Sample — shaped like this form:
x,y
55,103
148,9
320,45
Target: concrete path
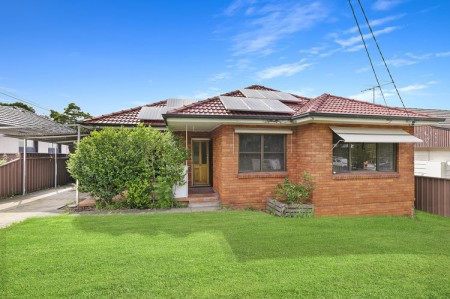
x,y
37,204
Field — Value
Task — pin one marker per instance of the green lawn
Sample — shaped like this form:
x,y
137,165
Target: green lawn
x,y
226,255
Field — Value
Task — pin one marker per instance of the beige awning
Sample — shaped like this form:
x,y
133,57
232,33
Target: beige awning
x,y
374,135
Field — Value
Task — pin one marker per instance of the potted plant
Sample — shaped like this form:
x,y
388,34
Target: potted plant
x,y
292,199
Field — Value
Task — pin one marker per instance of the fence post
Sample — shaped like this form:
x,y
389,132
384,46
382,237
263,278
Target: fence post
x,y
24,178
56,165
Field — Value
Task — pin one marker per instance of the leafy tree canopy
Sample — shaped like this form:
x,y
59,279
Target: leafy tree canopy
x,y
144,161
71,115
19,105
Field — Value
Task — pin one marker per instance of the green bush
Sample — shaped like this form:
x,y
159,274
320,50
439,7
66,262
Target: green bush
x,y
292,193
3,159
142,160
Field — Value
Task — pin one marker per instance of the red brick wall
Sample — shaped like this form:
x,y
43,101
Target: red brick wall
x,y
353,194
243,190
310,150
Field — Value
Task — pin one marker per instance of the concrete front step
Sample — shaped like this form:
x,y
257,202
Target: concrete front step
x,y
203,204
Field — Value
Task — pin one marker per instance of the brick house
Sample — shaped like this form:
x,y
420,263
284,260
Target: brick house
x,y
243,143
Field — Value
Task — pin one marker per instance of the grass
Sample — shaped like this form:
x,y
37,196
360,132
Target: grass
x,y
226,255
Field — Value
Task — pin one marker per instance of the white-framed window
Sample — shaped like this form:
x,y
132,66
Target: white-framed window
x,y
262,152
370,157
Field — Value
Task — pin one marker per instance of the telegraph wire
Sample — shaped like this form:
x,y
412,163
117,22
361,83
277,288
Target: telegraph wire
x,y
381,54
368,54
25,101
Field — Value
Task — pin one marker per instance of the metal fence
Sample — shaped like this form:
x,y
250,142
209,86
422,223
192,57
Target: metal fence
x,y
433,195
40,173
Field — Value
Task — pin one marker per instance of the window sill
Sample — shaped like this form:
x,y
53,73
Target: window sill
x,y
363,176
251,175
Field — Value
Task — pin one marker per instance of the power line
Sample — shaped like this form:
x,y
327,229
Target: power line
x,y
368,54
382,56
25,101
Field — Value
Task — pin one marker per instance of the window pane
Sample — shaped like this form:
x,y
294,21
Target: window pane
x,y
249,162
195,152
386,159
249,143
363,156
273,162
273,143
340,158
204,153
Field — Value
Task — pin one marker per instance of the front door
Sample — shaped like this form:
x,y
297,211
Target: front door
x,y
200,161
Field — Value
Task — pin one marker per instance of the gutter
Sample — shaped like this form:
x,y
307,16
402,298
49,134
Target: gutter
x,y
387,118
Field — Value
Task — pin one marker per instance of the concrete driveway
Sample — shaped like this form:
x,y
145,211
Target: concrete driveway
x,y
37,204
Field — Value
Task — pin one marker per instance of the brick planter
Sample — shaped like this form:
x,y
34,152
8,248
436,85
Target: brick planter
x,y
289,210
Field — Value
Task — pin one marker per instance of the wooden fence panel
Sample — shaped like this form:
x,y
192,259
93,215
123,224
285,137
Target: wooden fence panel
x,y
40,174
433,195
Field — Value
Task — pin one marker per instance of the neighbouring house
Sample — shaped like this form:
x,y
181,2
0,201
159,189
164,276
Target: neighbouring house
x,y
432,156
11,145
244,142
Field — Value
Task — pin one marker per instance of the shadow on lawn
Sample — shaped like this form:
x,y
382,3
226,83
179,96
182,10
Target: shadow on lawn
x,y
254,235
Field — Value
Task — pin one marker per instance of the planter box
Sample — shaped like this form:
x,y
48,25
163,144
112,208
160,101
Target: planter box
x,y
293,210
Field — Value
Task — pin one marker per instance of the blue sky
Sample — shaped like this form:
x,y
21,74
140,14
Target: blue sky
x,y
112,55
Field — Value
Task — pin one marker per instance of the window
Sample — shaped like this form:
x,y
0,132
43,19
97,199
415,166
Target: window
x,y
51,150
261,152
353,157
32,146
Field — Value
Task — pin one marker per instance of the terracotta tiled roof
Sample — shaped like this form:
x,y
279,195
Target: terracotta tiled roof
x,y
331,104
324,104
214,107
126,117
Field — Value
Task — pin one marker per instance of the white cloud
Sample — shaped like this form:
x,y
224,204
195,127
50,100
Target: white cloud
x,y
411,58
398,62
362,70
313,50
202,95
415,87
274,22
443,54
304,92
284,70
354,48
240,65
220,76
357,38
385,4
237,5
375,23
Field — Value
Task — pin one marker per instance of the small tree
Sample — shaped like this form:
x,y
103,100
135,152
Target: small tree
x,y
71,115
142,160
292,193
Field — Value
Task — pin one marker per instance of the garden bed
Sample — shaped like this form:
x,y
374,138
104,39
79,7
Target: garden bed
x,y
278,208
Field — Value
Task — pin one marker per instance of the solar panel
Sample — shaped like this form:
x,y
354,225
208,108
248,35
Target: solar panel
x,y
252,93
279,106
268,94
152,113
254,105
176,103
234,103
287,97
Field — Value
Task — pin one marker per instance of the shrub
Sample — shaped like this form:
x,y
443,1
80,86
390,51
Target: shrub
x,y
292,193
3,159
140,160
